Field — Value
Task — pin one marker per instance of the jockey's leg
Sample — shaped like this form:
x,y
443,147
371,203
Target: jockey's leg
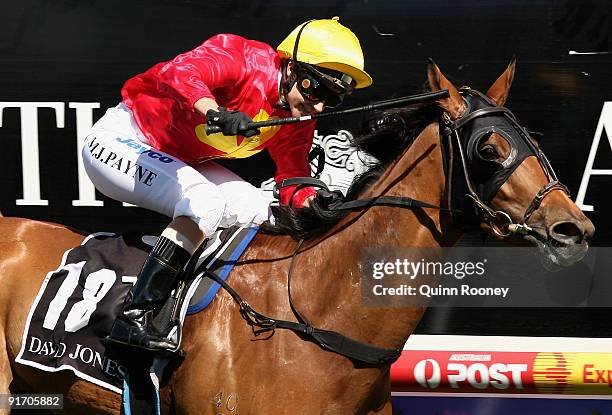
x,y
244,203
123,166
156,280
185,232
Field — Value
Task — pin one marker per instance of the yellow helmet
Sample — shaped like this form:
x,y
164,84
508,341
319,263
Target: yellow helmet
x,y
327,44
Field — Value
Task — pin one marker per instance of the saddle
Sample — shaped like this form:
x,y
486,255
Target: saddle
x,y
77,303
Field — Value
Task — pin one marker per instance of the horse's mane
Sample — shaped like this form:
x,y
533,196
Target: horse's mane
x,y
384,135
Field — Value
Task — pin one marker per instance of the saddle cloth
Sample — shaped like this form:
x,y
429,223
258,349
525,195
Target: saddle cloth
x,y
77,303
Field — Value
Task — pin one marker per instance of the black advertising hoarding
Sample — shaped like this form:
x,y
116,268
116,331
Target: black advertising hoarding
x,y
62,63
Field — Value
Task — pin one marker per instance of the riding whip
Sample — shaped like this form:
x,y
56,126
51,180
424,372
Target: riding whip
x,y
407,100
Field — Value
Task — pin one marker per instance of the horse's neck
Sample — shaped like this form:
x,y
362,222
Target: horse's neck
x,y
418,174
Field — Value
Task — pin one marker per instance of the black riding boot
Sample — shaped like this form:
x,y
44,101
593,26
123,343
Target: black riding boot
x,y
158,276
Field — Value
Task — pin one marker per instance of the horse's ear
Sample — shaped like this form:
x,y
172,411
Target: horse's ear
x,y
454,104
500,88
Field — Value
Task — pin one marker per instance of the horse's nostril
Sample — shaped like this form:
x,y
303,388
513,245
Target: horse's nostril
x,y
567,232
566,229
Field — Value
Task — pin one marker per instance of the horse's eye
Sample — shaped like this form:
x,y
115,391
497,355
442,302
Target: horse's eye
x,y
488,152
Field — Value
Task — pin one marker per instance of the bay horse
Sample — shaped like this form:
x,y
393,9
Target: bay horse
x,y
225,370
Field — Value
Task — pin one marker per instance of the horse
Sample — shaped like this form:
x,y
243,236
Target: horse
x,y
226,369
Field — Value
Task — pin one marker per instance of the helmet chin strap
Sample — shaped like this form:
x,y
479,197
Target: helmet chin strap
x,y
286,84
287,81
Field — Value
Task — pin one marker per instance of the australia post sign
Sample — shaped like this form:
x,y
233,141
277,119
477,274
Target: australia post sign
x,y
503,372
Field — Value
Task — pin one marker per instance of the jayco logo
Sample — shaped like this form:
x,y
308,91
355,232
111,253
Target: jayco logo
x,y
141,149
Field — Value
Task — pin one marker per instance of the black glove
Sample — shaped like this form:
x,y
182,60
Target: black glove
x,y
329,200
232,122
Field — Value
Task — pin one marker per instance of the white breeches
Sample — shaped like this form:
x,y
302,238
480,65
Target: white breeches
x,y
123,166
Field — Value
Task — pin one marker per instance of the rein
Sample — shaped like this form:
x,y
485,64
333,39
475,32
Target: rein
x,y
399,201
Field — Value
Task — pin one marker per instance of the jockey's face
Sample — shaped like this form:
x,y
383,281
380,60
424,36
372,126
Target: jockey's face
x,y
298,104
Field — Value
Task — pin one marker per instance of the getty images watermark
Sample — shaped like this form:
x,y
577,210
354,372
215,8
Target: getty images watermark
x,y
482,277
410,270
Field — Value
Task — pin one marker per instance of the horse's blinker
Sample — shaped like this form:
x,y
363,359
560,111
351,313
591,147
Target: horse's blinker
x,y
484,177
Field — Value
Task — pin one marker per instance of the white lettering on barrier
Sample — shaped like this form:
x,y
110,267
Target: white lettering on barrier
x,y
605,123
30,154
477,375
481,376
84,122
29,146
420,373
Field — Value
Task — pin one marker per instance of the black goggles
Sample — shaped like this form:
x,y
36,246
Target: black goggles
x,y
317,86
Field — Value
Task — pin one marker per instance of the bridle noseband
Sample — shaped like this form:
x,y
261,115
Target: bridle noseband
x,y
464,135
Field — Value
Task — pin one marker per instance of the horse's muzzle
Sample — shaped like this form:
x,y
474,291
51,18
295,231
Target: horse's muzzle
x,y
571,232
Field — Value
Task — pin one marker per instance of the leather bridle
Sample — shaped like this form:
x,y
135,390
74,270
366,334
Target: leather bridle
x,y
465,144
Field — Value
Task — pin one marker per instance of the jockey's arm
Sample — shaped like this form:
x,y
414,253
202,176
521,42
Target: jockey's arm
x,y
192,76
290,154
204,104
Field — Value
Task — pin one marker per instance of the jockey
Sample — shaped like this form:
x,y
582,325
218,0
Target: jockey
x,y
152,150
